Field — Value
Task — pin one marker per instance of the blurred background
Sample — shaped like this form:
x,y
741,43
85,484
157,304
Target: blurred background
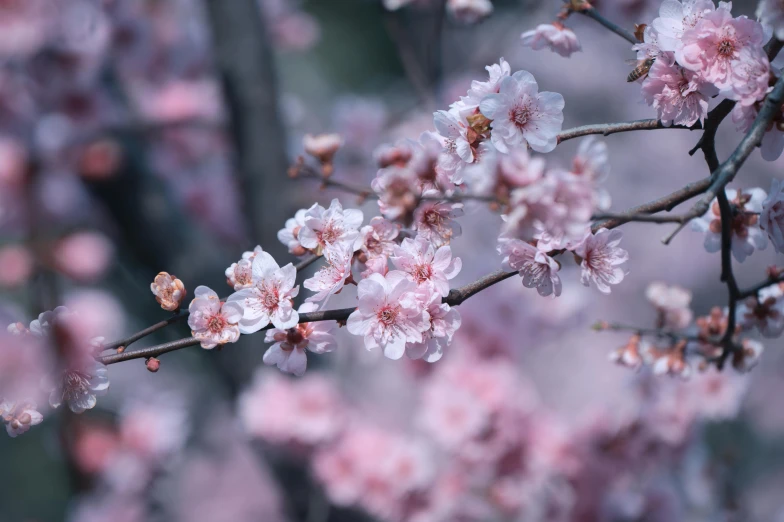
x,y
139,136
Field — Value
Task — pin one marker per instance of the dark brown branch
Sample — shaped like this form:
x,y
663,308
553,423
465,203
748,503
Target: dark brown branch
x,y
754,290
592,13
125,343
605,129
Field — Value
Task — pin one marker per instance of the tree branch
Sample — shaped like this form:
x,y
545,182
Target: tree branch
x,y
605,129
592,13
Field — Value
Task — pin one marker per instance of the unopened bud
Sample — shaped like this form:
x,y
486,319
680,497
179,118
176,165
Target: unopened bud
x,y
153,364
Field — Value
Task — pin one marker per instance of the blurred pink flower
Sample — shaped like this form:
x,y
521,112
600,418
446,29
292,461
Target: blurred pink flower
x,y
469,11
16,265
772,215
555,37
19,417
672,303
180,100
435,221
771,15
84,256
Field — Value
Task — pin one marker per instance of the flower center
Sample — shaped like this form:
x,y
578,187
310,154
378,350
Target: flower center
x,y
520,116
433,218
422,273
329,234
726,48
216,323
74,384
270,298
388,314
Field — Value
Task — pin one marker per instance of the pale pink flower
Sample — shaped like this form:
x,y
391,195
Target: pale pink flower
x,y
397,155
555,37
331,277
153,429
398,191
324,228
79,386
672,303
451,415
750,78
389,314
211,321
764,312
771,217
649,47
479,90
671,363
168,291
322,146
469,11
281,410
538,270
499,174
772,142
434,167
288,352
435,221
269,300
83,256
746,359
288,235
19,417
771,14
522,115
746,233
16,265
452,130
601,257
444,322
240,274
677,94
592,162
376,242
712,48
426,265
675,18
179,100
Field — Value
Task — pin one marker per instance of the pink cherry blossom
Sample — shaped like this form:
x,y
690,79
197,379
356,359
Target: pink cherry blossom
x,y
672,303
771,14
601,257
426,265
772,215
712,48
677,94
288,235
750,77
83,256
211,321
435,221
479,90
555,37
79,385
772,142
522,115
281,410
323,146
16,265
168,291
469,11
389,314
746,359
444,322
592,162
764,311
324,228
240,274
398,191
746,233
675,18
331,277
538,270
452,130
269,300
376,243
288,352
451,415
19,417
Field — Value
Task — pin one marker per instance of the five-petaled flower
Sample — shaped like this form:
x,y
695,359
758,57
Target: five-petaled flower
x,y
426,265
213,322
601,258
538,270
289,350
326,227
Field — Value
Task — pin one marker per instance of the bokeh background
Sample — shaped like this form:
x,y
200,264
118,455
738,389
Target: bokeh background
x,y
138,136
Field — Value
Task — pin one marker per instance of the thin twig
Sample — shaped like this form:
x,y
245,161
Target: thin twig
x,y
592,13
605,129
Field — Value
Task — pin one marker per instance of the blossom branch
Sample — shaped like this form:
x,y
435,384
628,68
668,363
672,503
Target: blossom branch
x,y
605,129
592,13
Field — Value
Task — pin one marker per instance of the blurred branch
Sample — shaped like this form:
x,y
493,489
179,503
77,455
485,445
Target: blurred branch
x,y
245,60
592,13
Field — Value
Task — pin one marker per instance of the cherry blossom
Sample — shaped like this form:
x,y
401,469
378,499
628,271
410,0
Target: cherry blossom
x,y
79,386
168,290
269,299
213,322
288,235
389,314
750,78
771,217
630,355
426,265
538,270
288,352
330,278
672,303
324,228
239,275
435,221
479,90
376,243
772,142
746,233
601,257
678,95
16,265
522,115
453,132
469,11
675,18
555,37
398,191
771,14
713,46
746,359
19,417
764,312
592,162
323,147
444,322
